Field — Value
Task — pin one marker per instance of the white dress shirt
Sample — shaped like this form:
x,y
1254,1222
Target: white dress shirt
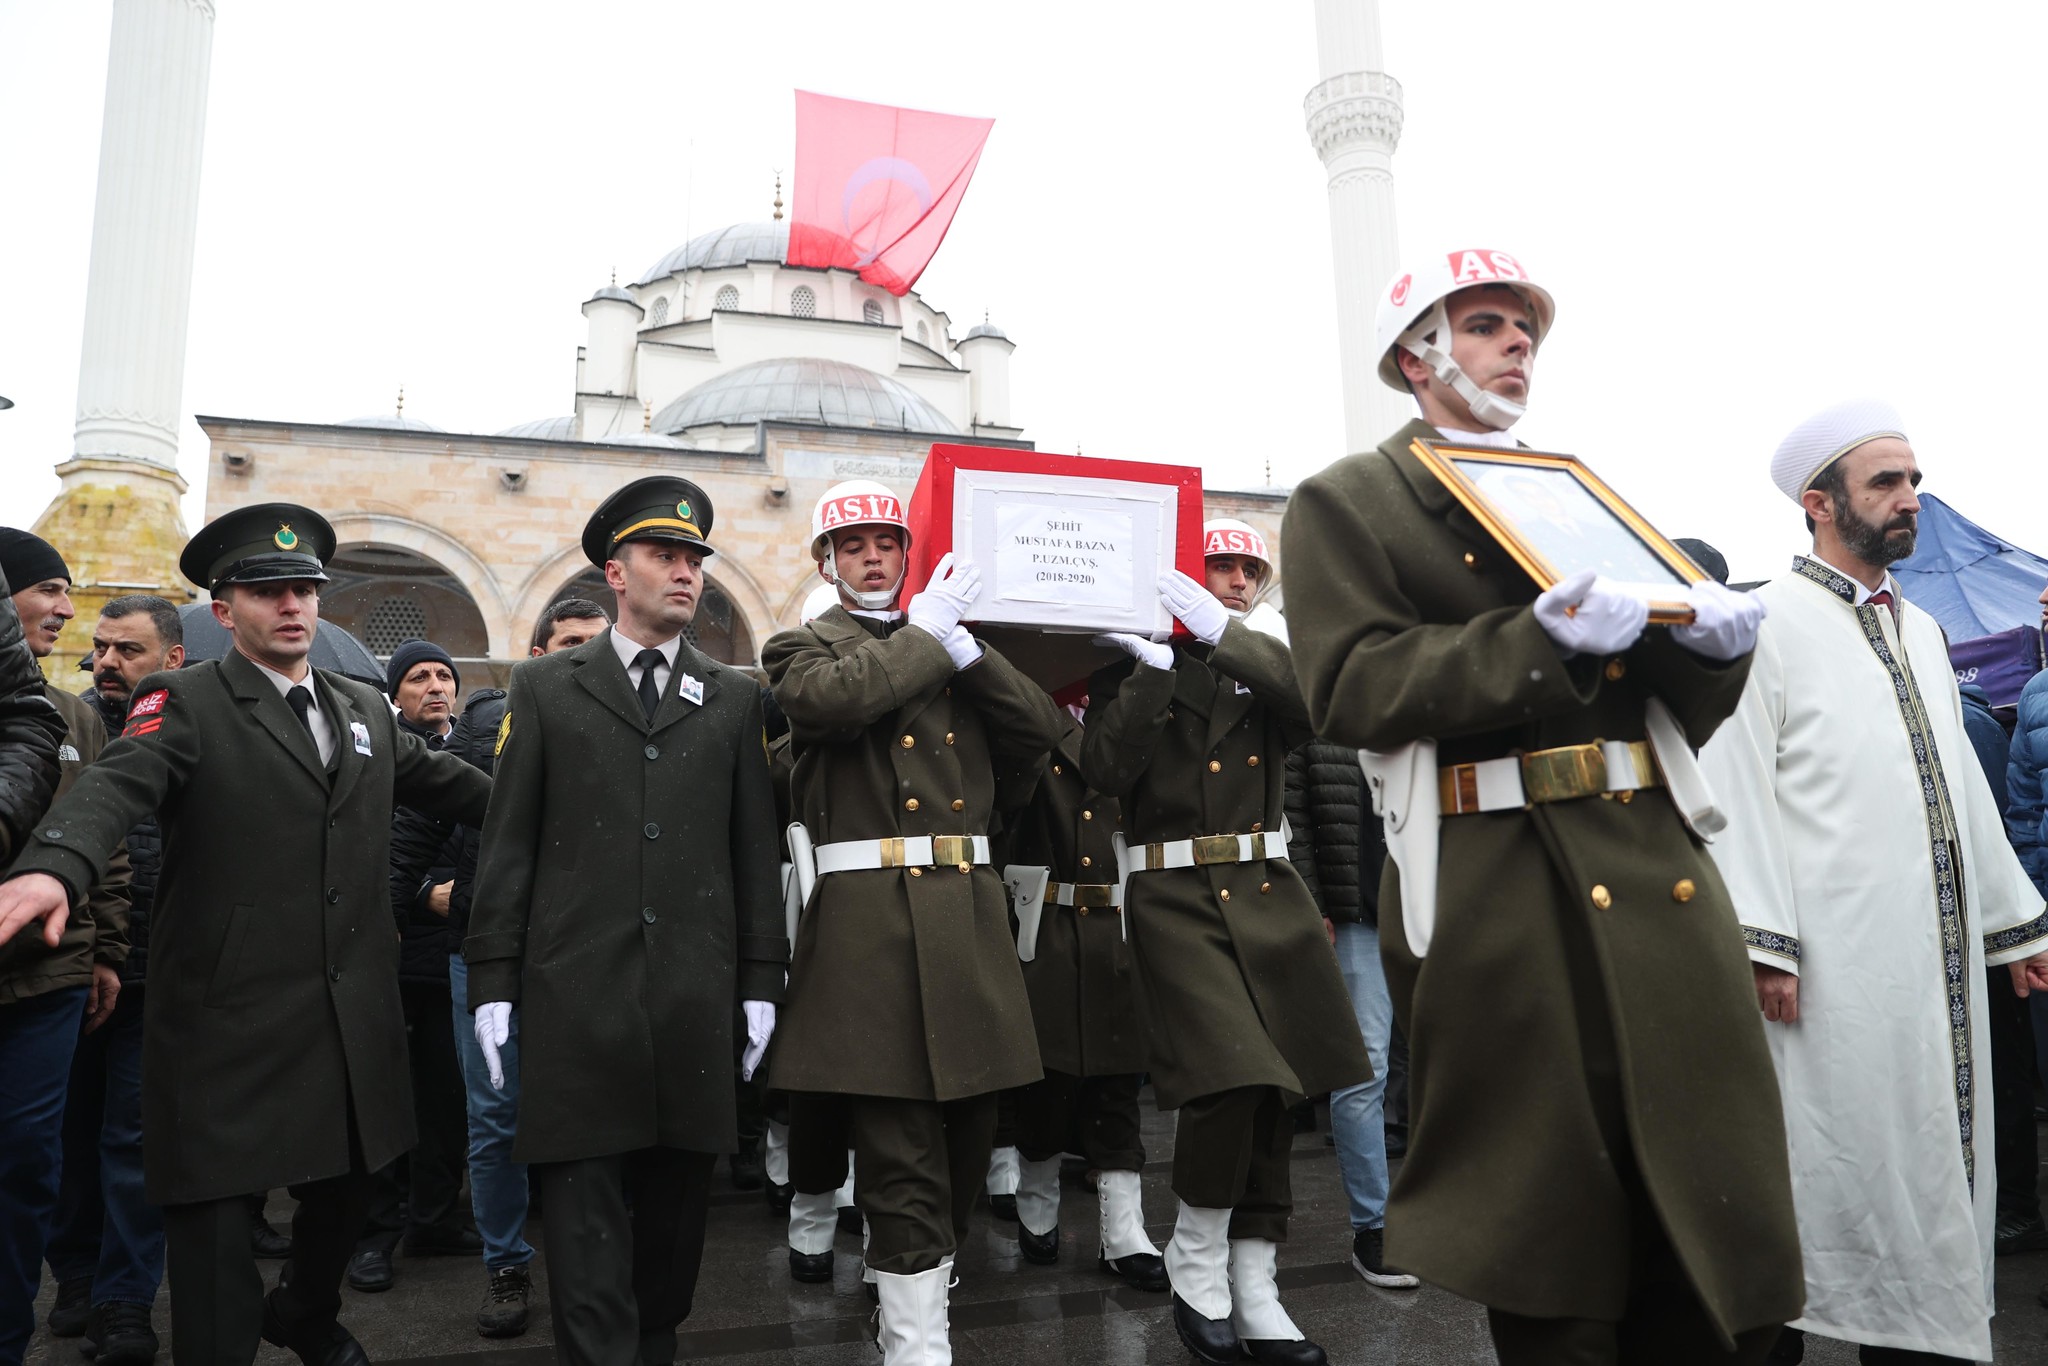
x,y
316,719
629,648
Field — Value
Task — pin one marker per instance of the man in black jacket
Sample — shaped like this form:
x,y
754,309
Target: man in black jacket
x,y
497,1184
418,1195
1336,843
108,1240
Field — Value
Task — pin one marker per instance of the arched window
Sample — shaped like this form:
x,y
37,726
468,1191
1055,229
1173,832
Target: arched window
x,y
871,312
803,303
924,333
660,313
728,300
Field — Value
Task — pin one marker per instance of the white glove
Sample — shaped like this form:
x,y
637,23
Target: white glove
x,y
1583,614
1137,647
1195,605
964,648
1724,623
493,1027
760,1029
945,600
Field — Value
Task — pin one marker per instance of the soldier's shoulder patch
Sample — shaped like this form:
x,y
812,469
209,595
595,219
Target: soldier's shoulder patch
x,y
147,714
504,734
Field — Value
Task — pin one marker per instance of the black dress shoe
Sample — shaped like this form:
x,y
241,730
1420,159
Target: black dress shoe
x,y
779,1194
266,1242
73,1306
370,1270
1003,1207
1140,1271
812,1268
849,1219
1285,1351
1210,1340
460,1241
746,1170
328,1345
1040,1249
119,1334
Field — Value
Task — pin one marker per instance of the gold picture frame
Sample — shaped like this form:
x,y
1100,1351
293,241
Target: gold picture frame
x,y
1555,517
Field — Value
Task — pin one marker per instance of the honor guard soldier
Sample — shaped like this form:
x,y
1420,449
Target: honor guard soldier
x,y
904,990
627,897
1598,1150
1061,865
274,1046
1248,1013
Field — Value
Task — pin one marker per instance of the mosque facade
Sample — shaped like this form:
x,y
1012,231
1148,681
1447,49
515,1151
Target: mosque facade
x,y
763,383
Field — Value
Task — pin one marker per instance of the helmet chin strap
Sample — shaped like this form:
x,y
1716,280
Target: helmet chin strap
x,y
1490,409
869,602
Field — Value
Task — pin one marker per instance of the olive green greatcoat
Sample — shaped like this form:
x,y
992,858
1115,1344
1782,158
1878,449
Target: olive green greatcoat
x,y
1544,1025
628,897
1084,1001
1233,964
904,982
272,1014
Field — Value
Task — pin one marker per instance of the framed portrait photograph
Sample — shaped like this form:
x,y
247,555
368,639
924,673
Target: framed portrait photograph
x,y
1555,517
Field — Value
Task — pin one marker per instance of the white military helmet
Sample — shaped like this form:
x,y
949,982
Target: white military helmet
x,y
857,502
1412,312
817,603
1229,536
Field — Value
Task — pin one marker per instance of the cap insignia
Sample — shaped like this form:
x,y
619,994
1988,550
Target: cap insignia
x,y
286,538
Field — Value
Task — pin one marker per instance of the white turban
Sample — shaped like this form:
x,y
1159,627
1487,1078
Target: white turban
x,y
1826,437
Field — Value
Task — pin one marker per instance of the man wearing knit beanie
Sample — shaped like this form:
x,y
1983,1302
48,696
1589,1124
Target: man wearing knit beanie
x,y
422,682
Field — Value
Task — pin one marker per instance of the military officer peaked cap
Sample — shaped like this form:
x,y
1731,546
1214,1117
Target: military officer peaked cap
x,y
260,544
660,507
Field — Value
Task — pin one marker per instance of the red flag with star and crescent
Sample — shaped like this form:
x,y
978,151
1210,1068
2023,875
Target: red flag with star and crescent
x,y
877,186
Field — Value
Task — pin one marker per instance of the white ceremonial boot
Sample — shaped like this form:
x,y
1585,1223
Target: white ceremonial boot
x,y
913,1317
1126,1250
812,1222
1262,1325
1198,1267
1038,1209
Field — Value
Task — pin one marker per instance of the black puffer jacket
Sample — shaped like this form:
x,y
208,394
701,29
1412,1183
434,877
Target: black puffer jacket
x,y
420,843
423,938
145,857
1335,839
30,731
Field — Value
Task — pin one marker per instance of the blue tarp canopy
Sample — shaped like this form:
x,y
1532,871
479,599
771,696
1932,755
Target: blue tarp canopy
x,y
1972,582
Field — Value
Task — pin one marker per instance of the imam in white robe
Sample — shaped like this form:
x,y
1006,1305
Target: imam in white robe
x,y
1864,854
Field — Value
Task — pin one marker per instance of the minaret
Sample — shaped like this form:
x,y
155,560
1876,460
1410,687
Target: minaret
x,y
1354,120
116,519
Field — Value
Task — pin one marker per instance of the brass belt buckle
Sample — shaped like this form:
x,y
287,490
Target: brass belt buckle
x,y
1092,895
1557,775
952,849
1215,849
892,853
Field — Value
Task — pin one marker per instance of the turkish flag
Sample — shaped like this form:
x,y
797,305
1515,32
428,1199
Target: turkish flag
x,y
877,187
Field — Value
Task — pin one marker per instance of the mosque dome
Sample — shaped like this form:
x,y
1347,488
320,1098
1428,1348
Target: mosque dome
x,y
803,389
613,292
987,330
733,246
396,422
545,429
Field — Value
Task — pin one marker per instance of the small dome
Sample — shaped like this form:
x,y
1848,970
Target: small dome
x,y
391,422
987,330
613,292
545,429
733,246
803,389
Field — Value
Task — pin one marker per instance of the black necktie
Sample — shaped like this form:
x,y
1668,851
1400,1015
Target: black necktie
x,y
301,702
647,661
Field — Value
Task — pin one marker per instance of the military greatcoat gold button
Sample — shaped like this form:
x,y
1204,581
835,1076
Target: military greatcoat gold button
x,y
1615,669
1057,770
1215,765
910,742
1087,862
1224,894
1265,886
1256,827
1683,889
1601,896
910,805
1471,560
917,872
959,804
949,737
1087,815
1252,762
966,867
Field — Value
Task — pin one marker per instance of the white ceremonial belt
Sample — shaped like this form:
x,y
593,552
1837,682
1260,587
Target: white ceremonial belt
x,y
1548,775
908,851
1203,850
1084,895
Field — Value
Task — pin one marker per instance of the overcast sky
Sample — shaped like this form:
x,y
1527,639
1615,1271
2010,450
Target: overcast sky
x,y
1746,211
